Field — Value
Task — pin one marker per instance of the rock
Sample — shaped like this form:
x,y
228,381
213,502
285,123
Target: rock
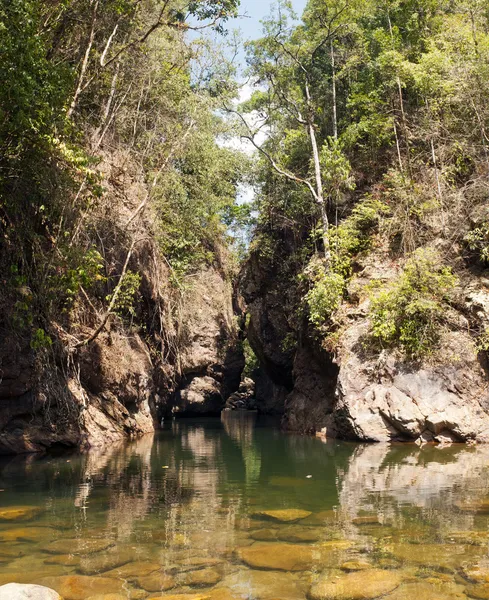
x,y
19,591
423,590
474,506
264,585
11,551
298,534
442,556
156,582
109,597
20,513
265,535
321,518
384,398
355,565
28,534
366,520
201,578
477,572
80,587
480,591
288,557
67,560
104,561
287,515
201,396
362,585
134,570
201,561
83,547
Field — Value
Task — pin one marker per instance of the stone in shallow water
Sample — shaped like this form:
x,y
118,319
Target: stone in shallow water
x,y
66,560
442,556
201,578
479,591
11,551
361,585
264,585
477,572
287,515
355,565
80,587
427,591
264,535
104,561
286,557
295,534
133,570
156,582
28,534
19,591
320,518
83,547
366,520
19,513
201,561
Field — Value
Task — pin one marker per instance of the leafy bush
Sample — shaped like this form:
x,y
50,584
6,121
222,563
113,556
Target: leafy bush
x,y
125,302
478,241
251,361
409,312
350,238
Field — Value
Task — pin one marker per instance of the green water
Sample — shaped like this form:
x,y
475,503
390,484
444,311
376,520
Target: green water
x,y
187,513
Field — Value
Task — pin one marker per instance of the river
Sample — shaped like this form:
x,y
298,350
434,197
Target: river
x,y
236,509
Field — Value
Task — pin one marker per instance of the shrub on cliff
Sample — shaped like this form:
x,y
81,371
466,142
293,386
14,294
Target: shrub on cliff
x,y
409,312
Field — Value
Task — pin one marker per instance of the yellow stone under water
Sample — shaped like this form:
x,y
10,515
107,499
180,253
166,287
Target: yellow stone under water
x,y
287,515
362,585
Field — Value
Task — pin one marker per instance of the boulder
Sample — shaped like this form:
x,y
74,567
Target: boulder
x,y
201,396
360,585
286,515
20,591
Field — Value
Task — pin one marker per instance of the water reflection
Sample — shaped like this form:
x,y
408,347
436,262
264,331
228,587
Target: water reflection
x,y
191,507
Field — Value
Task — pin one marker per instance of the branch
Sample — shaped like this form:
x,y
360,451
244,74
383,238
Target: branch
x,y
110,308
287,174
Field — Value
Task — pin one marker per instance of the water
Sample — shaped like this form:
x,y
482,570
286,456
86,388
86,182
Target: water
x,y
188,512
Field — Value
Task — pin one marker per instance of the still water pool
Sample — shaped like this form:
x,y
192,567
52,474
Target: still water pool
x,y
235,509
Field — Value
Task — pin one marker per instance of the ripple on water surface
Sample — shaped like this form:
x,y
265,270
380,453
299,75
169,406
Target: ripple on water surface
x,y
235,510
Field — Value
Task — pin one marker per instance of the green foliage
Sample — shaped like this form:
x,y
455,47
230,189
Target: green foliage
x,y
478,241
126,301
41,340
326,292
251,361
409,312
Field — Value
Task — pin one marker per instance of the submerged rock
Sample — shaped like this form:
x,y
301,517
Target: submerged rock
x,y
355,565
362,585
442,556
289,557
100,562
264,585
28,534
286,515
201,578
156,582
80,587
83,547
21,591
479,591
133,570
20,513
422,590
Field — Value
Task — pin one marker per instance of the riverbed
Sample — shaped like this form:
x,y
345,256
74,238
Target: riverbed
x,y
233,508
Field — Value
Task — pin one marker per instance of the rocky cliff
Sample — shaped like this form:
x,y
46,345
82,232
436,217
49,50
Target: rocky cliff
x,y
179,351
354,389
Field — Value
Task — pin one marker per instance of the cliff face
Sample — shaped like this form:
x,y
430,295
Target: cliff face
x,y
180,351
360,392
